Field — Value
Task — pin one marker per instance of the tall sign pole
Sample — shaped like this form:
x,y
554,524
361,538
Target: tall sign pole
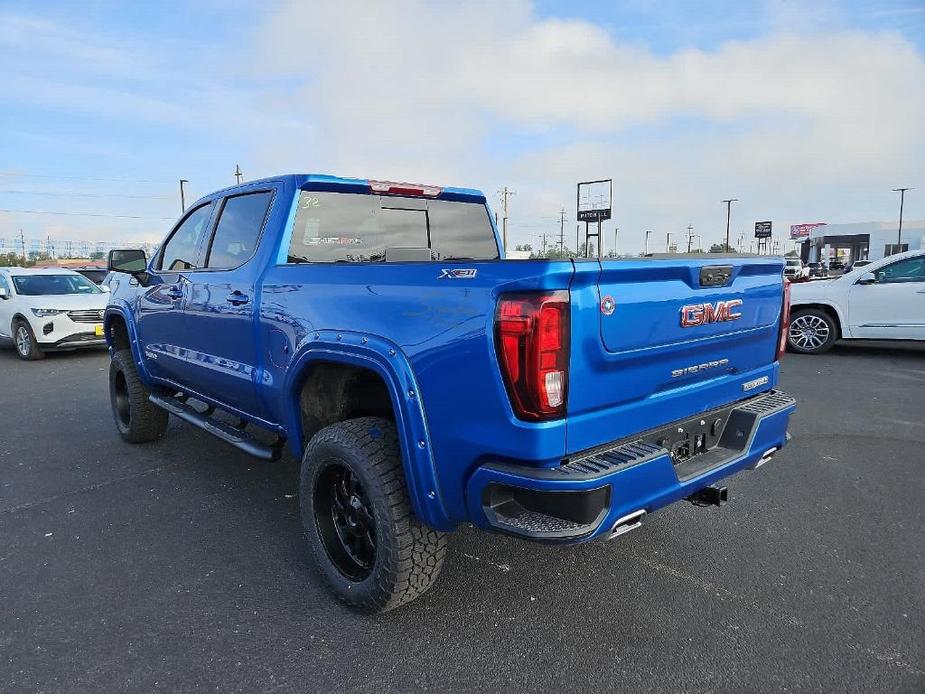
x,y
902,199
728,214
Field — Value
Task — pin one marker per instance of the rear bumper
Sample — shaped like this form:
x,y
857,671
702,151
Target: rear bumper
x,y
605,491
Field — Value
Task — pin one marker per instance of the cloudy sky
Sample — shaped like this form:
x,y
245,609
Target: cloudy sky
x,y
805,112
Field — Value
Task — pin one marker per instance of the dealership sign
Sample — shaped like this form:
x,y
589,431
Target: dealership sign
x,y
802,231
762,230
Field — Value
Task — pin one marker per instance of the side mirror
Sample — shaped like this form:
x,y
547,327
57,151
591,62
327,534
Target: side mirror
x,y
867,278
3,293
131,261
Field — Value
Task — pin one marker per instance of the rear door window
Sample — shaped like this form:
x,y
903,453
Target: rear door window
x,y
908,270
238,230
356,227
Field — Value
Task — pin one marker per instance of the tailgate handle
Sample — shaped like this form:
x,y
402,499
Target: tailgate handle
x,y
715,275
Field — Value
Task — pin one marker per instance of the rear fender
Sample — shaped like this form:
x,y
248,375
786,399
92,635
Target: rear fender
x,y
387,360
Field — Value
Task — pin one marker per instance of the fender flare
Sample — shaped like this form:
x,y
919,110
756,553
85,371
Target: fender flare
x,y
122,310
388,361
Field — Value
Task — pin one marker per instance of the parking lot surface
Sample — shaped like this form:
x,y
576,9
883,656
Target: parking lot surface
x,y
180,565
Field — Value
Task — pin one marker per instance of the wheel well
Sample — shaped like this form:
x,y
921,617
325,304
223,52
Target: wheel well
x,y
335,392
118,333
826,309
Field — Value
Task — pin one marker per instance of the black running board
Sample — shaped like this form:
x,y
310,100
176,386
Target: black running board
x,y
235,435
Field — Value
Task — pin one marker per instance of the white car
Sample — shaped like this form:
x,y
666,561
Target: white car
x,y
52,309
884,300
794,269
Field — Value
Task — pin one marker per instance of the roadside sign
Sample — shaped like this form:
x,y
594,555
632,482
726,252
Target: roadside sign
x,y
802,231
594,200
762,230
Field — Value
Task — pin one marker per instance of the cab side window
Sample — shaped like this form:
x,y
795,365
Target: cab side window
x,y
238,230
181,249
908,270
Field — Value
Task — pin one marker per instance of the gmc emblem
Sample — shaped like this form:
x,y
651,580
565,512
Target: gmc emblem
x,y
693,315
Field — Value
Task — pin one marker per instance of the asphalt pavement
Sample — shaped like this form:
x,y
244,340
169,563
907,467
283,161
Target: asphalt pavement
x,y
180,565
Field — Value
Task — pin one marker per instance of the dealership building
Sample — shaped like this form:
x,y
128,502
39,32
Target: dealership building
x,y
856,241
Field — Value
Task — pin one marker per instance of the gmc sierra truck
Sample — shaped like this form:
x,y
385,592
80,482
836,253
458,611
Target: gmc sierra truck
x,y
376,330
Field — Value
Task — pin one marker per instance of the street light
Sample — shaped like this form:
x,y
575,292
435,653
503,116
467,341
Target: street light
x,y
647,243
615,230
668,242
182,195
902,199
728,213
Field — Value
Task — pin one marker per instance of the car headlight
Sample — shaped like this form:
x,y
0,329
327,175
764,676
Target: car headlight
x,y
46,312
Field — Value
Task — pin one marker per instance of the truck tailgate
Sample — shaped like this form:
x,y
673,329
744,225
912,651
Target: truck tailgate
x,y
658,339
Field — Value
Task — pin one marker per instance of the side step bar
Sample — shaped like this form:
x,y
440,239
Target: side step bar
x,y
235,435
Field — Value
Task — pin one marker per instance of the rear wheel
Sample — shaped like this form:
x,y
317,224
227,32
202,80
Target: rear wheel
x,y
371,550
811,331
26,346
137,418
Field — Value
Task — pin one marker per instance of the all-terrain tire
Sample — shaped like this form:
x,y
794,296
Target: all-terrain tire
x,y
27,348
405,556
137,418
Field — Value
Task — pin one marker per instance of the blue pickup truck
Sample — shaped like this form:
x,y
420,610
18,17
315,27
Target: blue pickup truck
x,y
376,331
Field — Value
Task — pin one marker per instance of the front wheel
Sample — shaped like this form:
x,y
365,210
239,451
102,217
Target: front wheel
x,y
811,331
26,345
137,418
371,550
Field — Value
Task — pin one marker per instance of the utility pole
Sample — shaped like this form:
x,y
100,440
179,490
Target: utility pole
x,y
690,236
647,243
182,195
615,230
902,199
22,240
562,232
238,175
505,194
728,213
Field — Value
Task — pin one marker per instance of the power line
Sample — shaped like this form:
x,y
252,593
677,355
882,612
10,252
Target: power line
x,y
85,214
85,195
84,178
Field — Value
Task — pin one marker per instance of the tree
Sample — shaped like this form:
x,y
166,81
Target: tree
x,y
721,248
97,255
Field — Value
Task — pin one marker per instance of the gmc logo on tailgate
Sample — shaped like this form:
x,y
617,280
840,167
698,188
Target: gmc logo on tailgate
x,y
693,315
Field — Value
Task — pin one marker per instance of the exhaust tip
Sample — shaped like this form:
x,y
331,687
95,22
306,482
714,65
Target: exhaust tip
x,y
626,523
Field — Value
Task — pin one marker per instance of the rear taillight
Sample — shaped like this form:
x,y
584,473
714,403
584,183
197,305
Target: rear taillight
x,y
784,321
532,332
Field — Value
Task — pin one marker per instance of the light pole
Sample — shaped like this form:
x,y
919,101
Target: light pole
x,y
182,195
902,199
690,236
668,242
647,243
728,213
615,230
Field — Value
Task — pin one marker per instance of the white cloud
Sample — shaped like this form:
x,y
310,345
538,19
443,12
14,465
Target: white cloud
x,y
422,90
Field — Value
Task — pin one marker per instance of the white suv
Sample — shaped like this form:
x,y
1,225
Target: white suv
x,y
884,300
53,309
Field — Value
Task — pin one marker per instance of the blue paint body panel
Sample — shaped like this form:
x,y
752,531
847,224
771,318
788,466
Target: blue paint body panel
x,y
432,343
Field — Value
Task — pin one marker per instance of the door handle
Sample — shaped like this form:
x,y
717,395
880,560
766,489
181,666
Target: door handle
x,y
237,298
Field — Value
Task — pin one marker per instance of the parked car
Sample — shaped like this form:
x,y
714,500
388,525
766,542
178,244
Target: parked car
x,y
836,264
376,329
883,300
817,270
856,264
50,310
795,270
94,274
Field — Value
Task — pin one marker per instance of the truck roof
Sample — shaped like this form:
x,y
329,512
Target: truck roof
x,y
315,181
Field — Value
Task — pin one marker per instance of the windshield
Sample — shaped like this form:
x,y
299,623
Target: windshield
x,y
357,227
793,261
53,285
